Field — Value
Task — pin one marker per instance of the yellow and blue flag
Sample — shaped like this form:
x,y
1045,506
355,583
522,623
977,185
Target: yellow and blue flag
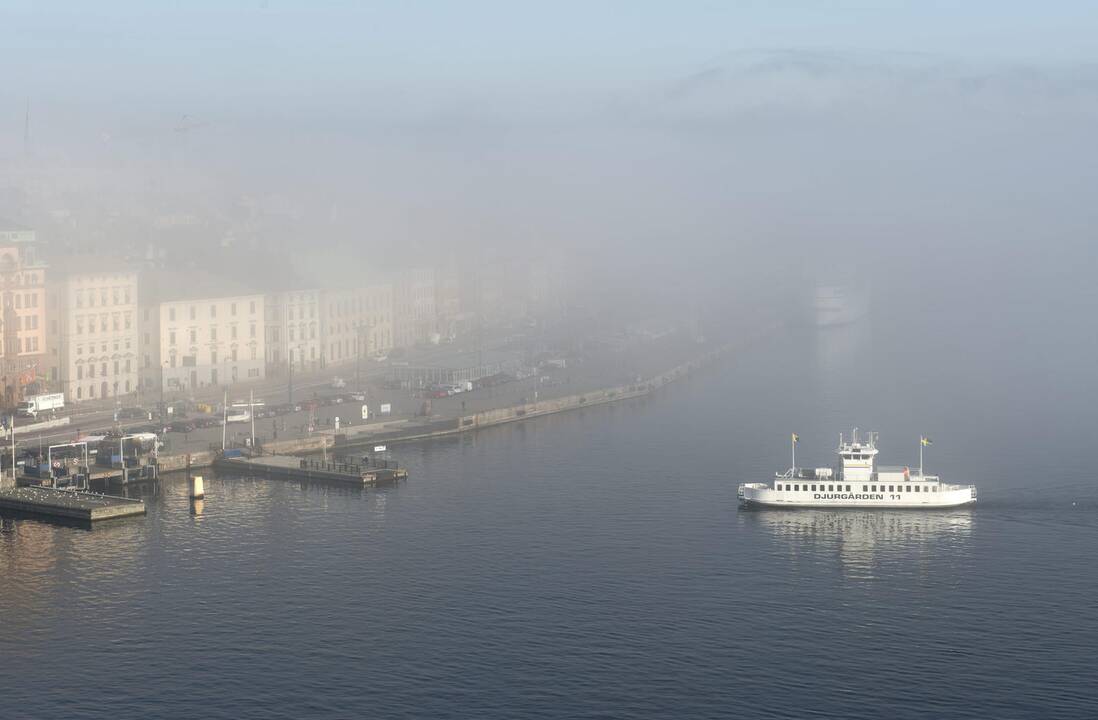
x,y
925,441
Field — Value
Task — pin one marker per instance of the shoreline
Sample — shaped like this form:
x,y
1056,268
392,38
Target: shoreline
x,y
401,431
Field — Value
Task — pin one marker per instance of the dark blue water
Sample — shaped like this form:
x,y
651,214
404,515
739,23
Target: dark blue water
x,y
595,565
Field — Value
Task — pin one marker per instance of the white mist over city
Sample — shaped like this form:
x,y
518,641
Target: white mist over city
x,y
489,359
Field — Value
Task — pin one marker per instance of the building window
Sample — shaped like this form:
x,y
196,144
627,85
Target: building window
x,y
213,357
253,352
171,314
213,311
194,313
233,354
126,296
213,334
194,336
232,309
171,338
251,307
232,332
79,372
79,393
251,331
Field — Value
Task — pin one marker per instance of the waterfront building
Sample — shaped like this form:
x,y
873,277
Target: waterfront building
x,y
195,336
356,321
92,341
293,330
23,319
414,317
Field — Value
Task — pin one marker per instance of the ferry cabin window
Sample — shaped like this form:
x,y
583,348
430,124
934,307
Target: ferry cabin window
x,y
909,488
796,487
865,488
848,488
916,488
892,488
831,488
778,488
935,488
813,488
873,488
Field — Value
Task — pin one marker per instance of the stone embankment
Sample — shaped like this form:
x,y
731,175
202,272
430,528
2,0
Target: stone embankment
x,y
407,430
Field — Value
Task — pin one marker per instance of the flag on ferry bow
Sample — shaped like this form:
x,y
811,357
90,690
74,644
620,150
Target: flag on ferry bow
x,y
925,441
796,437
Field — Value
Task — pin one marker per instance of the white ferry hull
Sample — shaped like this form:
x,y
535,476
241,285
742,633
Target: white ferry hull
x,y
760,495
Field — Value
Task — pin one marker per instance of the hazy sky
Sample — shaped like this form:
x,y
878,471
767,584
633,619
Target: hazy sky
x,y
636,126
299,50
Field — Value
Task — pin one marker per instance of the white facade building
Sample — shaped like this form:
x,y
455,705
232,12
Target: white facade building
x,y
93,337
193,343
293,330
356,321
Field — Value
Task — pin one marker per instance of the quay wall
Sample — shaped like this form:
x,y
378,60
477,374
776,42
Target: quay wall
x,y
403,430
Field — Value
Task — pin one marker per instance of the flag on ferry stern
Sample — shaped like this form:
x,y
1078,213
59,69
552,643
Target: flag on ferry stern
x,y
925,441
796,437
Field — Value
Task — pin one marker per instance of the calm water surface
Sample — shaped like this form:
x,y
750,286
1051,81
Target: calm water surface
x,y
595,565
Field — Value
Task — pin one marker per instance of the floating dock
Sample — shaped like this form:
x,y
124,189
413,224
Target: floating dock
x,y
305,469
69,504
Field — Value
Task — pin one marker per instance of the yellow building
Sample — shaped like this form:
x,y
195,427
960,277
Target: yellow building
x,y
23,320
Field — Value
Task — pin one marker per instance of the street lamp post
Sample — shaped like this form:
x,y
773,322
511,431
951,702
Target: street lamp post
x,y
163,370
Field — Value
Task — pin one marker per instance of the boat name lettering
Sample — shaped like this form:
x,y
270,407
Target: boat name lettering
x,y
847,496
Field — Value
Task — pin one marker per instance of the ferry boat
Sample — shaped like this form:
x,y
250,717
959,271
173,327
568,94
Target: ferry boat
x,y
856,482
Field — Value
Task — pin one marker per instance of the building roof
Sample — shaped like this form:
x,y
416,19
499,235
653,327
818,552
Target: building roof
x,y
183,285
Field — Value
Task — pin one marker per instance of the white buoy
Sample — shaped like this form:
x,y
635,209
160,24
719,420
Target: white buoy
x,y
196,488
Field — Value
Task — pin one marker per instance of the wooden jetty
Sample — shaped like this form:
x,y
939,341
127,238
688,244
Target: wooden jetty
x,y
69,504
296,468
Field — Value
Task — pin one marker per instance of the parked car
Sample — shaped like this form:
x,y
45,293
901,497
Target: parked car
x,y
207,421
338,382
153,427
286,408
264,412
181,426
133,413
357,396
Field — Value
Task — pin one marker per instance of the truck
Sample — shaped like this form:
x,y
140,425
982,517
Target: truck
x,y
36,405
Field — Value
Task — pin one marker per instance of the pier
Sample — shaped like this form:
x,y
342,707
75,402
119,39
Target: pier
x,y
295,468
69,504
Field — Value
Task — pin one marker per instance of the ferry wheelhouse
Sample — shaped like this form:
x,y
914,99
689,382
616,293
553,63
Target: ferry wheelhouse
x,y
856,482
